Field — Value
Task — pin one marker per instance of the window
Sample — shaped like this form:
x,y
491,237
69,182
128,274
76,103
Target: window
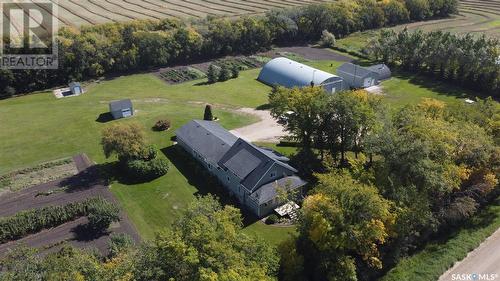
x,y
228,179
210,166
273,174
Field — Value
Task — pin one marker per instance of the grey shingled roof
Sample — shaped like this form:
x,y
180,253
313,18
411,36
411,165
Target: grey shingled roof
x,y
120,104
208,138
249,170
268,191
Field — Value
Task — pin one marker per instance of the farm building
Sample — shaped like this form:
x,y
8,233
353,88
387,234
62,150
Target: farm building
x,y
75,88
357,76
250,173
288,73
383,71
121,108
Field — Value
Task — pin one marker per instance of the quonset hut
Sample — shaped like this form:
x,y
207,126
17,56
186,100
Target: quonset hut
x,y
288,73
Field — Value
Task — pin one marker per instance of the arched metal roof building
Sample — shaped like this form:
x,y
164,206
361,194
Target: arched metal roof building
x,y
288,73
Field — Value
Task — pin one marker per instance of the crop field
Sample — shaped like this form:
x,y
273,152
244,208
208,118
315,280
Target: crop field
x,y
475,16
90,12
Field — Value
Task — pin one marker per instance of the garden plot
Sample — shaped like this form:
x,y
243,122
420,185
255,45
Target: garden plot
x,y
49,171
180,74
86,184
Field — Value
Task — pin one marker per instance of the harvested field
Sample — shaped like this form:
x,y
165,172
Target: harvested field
x,y
85,184
85,12
475,16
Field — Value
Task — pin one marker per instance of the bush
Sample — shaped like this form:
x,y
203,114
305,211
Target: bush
x,y
118,243
235,71
147,170
272,219
35,220
148,153
212,74
224,74
327,39
208,116
162,125
102,215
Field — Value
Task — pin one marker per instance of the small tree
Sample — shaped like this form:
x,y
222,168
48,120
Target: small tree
x,y
124,140
235,71
102,215
224,74
327,39
212,74
208,116
119,242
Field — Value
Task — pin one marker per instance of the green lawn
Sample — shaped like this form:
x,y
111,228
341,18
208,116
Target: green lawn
x,y
439,256
38,128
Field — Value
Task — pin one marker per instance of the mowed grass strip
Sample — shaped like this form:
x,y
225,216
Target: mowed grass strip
x,y
439,256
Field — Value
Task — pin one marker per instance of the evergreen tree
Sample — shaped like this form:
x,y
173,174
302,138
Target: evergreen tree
x,y
224,74
208,113
212,74
235,71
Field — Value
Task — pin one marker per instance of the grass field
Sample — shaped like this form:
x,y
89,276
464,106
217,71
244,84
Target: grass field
x,y
475,17
38,128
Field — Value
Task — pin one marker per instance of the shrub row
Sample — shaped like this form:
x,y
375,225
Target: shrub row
x,y
99,211
468,60
96,50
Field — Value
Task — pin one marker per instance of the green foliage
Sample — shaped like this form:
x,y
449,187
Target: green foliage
x,y
327,39
126,140
235,71
213,74
32,221
119,243
470,61
147,169
102,215
110,48
224,74
208,116
162,125
341,220
272,219
207,242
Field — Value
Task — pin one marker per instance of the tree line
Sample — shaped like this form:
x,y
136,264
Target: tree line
x,y
94,51
473,62
386,180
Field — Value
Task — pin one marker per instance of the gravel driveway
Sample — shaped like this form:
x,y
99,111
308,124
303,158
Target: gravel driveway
x,y
266,130
482,262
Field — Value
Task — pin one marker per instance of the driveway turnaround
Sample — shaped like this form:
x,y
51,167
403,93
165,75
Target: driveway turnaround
x,y
266,130
483,263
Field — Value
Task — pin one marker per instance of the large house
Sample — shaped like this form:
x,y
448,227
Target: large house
x,y
251,173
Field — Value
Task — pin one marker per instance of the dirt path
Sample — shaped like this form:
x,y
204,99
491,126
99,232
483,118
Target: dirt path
x,y
483,261
266,130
